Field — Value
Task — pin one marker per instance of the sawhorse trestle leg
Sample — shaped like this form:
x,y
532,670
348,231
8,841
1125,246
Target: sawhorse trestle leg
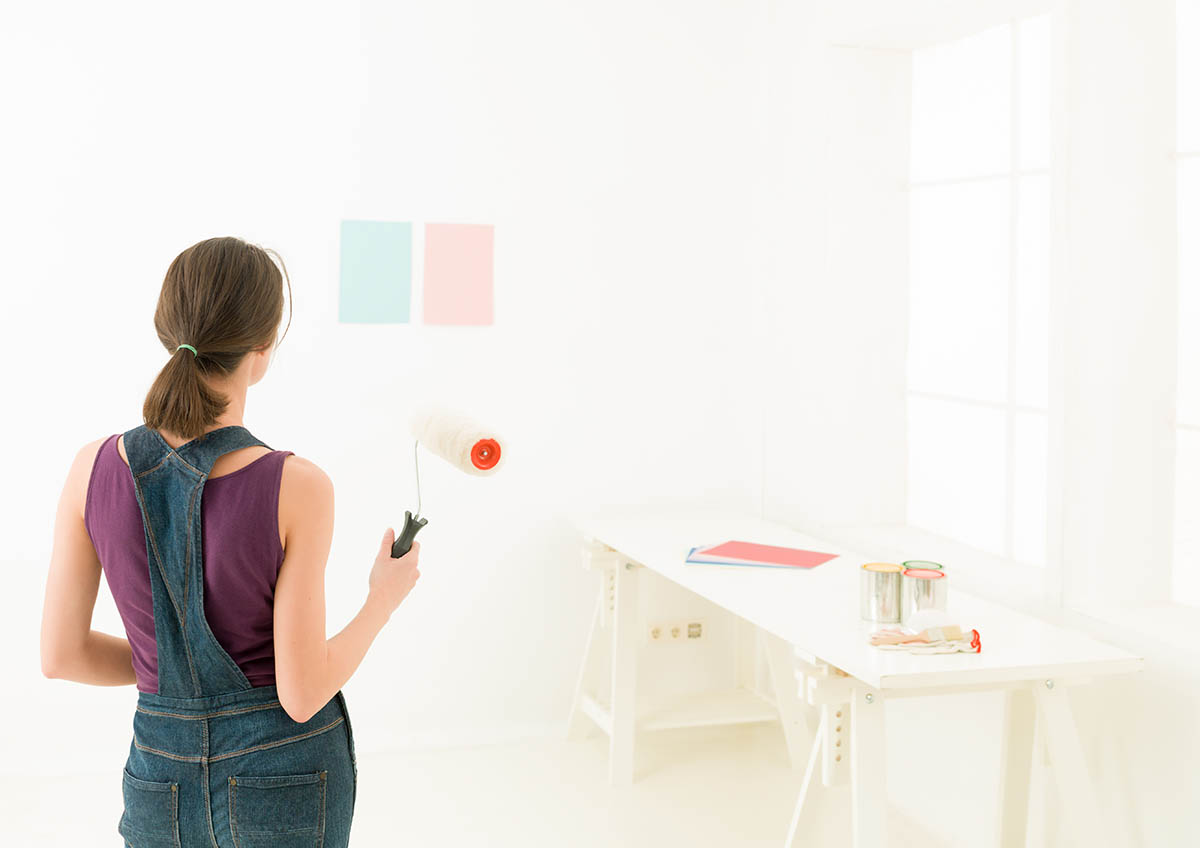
x,y
849,748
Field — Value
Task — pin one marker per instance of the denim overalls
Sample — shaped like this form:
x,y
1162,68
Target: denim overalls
x,y
214,761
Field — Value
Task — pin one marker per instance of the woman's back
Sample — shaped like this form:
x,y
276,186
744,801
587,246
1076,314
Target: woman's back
x,y
216,760
214,547
242,547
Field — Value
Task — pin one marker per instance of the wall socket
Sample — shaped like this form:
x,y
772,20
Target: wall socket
x,y
687,630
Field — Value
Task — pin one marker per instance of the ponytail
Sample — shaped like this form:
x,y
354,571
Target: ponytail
x,y
180,401
224,297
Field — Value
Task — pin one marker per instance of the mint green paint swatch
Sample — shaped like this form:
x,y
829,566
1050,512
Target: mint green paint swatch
x,y
376,272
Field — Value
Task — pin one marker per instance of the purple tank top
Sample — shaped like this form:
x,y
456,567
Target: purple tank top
x,y
239,516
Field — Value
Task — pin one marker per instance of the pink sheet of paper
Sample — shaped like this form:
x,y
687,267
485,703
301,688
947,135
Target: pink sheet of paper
x,y
458,274
765,554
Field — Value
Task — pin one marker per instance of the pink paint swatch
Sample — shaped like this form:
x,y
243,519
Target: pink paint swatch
x,y
458,274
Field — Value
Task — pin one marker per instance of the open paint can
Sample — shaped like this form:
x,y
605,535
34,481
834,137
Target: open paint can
x,y
920,589
921,563
879,592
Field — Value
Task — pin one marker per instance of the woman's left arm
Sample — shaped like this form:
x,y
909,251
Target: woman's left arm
x,y
71,650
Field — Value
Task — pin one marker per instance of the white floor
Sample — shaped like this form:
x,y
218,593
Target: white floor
x,y
725,787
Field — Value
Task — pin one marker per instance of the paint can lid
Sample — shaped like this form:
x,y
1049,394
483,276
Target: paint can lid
x,y
924,573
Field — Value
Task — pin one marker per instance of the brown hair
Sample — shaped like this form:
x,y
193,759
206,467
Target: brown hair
x,y
224,297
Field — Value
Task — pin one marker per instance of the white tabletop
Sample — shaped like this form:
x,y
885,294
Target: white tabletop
x,y
816,610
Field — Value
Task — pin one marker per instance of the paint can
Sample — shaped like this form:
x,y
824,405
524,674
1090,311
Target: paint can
x,y
879,592
920,589
921,563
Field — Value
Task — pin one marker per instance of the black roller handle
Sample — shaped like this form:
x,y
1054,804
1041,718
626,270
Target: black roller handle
x,y
405,540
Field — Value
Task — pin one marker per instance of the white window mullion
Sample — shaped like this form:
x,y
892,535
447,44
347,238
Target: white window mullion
x,y
1055,585
1014,197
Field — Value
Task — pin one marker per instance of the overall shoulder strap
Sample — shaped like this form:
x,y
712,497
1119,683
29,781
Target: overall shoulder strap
x,y
202,452
169,485
146,448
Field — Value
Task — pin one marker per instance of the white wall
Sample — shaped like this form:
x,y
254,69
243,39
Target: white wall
x,y
608,145
836,312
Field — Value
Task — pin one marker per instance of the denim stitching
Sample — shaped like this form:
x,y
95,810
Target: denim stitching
x,y
167,583
240,751
207,793
217,714
142,474
232,820
181,757
321,817
187,550
223,654
175,814
158,556
320,813
350,747
171,450
287,741
188,464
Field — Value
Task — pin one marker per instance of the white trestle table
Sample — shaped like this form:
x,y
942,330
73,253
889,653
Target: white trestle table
x,y
829,686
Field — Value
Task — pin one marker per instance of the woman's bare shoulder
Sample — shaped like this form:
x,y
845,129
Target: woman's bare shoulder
x,y
80,474
305,500
302,476
305,490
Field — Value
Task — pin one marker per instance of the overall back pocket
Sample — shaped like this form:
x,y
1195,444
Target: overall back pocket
x,y
151,816
286,811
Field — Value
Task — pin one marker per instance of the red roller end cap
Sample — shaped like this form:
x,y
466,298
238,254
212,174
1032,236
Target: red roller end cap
x,y
485,454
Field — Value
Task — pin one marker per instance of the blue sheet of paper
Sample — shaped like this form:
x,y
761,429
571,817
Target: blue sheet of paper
x,y
376,272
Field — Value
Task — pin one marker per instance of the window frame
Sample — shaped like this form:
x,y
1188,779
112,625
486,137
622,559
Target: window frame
x,y
1173,606
1021,581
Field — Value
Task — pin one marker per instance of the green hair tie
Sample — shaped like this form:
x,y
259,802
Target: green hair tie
x,y
189,347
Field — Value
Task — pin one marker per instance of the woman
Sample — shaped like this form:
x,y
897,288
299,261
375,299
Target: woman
x,y
214,547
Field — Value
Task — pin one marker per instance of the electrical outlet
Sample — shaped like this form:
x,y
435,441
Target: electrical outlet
x,y
687,630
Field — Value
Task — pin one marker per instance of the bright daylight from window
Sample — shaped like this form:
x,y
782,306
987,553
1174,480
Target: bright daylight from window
x,y
978,320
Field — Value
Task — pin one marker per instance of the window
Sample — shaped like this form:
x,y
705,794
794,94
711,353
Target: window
x,y
1185,575
978,346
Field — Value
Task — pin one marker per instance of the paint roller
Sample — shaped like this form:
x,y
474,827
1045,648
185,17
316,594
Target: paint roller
x,y
460,441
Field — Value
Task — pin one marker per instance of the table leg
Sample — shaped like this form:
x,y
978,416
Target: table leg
x,y
795,829
868,770
835,752
624,676
792,712
1084,817
578,724
1039,830
1016,751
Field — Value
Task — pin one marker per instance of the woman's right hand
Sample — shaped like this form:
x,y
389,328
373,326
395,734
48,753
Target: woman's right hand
x,y
393,578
